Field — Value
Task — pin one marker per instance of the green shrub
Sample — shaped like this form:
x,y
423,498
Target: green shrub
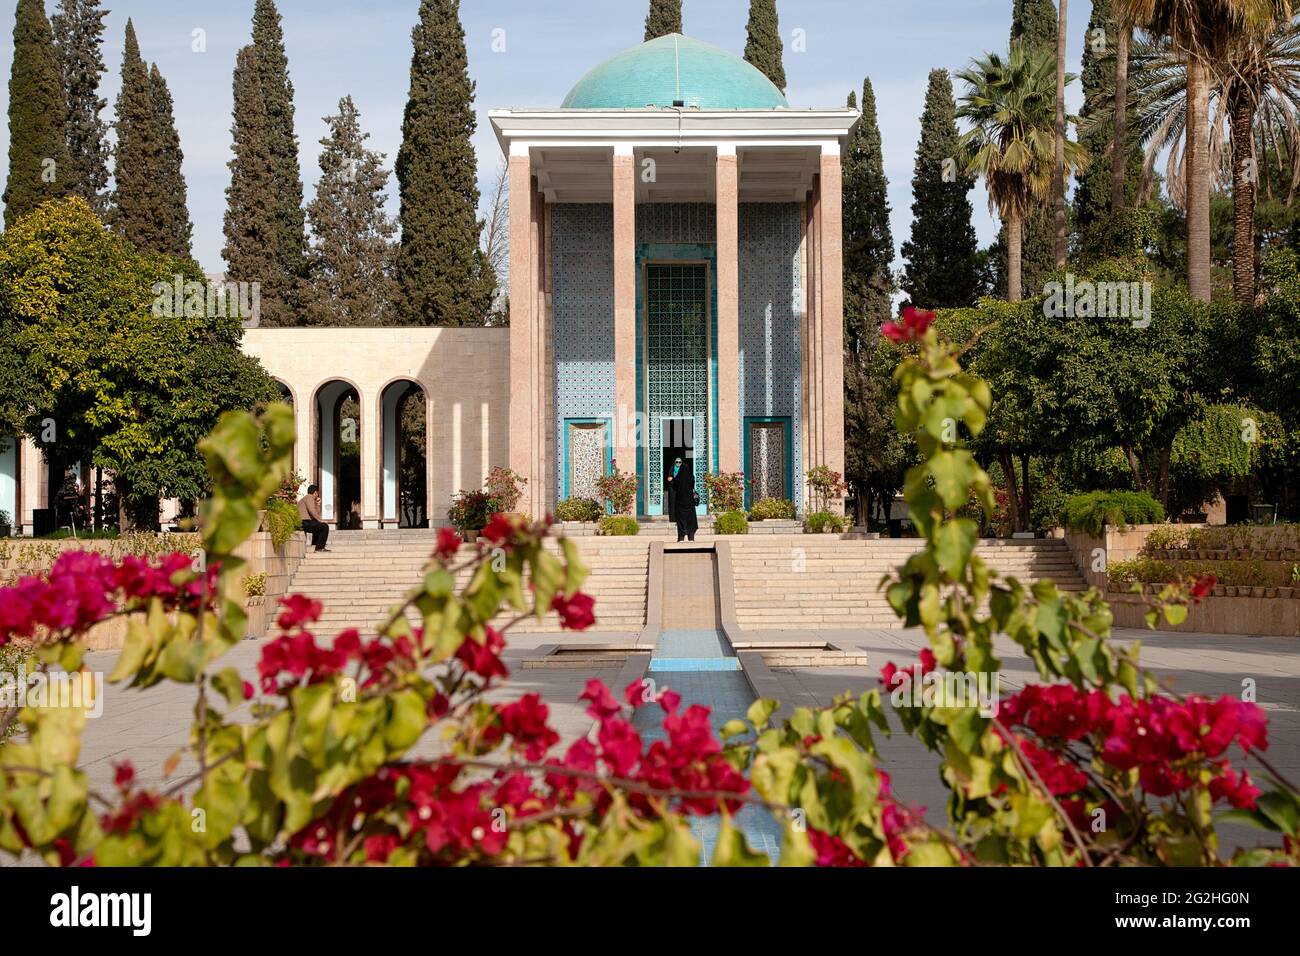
x,y
579,509
772,509
823,522
731,522
1093,512
472,510
726,491
619,526
1141,570
282,520
16,664
1169,537
255,584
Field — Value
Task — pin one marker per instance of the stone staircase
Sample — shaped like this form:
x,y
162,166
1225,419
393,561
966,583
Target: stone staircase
x,y
782,581
366,573
815,581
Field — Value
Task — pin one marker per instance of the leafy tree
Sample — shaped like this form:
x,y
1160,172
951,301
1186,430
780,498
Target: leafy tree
x,y
1010,103
140,210
39,167
1033,24
175,213
351,263
131,384
288,248
78,38
942,253
250,224
763,47
444,277
665,17
868,287
1203,31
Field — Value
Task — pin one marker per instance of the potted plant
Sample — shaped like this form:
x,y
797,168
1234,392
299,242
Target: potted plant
x,y
506,487
726,491
255,603
470,512
618,489
6,524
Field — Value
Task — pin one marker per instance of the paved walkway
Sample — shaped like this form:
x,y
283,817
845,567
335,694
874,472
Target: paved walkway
x,y
150,726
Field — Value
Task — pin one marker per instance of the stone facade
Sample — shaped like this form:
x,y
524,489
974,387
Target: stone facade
x,y
465,376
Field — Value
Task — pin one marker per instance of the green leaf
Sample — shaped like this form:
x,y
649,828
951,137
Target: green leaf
x,y
406,722
953,545
761,711
733,850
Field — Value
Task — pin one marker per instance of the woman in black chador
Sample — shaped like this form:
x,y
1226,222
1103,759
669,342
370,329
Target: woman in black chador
x,y
682,499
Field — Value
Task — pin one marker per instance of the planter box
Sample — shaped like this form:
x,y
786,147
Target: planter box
x,y
255,608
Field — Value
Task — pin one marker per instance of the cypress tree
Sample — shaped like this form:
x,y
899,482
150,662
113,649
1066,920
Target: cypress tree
x,y
1092,199
250,225
351,259
139,199
78,38
443,274
175,220
39,168
942,254
287,251
868,282
1033,22
763,47
665,17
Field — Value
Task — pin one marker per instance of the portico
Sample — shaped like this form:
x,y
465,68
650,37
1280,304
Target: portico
x,y
675,277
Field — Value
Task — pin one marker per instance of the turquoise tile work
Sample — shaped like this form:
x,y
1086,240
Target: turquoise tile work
x,y
727,695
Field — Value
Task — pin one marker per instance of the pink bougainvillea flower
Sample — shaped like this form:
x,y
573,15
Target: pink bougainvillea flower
x,y
123,775
910,327
525,721
501,529
577,613
298,611
635,692
603,703
449,542
1202,587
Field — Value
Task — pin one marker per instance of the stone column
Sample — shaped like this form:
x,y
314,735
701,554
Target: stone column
x,y
831,312
728,317
534,497
625,430
814,328
371,443
522,331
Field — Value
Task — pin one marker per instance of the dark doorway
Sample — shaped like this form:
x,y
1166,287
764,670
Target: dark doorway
x,y
678,442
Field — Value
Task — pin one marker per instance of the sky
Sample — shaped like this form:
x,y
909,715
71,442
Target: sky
x,y
363,48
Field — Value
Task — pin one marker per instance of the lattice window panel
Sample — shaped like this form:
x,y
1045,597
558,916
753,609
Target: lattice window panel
x,y
677,363
767,461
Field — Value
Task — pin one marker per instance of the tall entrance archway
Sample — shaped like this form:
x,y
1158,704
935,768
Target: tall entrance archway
x,y
405,450
338,453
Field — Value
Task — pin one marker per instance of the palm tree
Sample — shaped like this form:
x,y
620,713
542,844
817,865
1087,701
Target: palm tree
x,y
1200,32
1058,184
1010,102
1119,154
1253,104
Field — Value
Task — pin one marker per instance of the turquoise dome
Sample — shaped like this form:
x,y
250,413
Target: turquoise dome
x,y
670,68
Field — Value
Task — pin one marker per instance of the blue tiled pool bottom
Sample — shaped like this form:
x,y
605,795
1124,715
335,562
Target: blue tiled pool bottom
x,y
692,644
677,665
728,696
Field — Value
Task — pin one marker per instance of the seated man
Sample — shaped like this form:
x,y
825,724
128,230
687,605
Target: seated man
x,y
309,511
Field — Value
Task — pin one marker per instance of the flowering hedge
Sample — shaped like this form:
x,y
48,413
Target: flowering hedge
x,y
314,764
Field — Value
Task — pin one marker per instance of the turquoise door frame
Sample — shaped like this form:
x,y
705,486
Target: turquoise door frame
x,y
609,448
788,429
673,254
